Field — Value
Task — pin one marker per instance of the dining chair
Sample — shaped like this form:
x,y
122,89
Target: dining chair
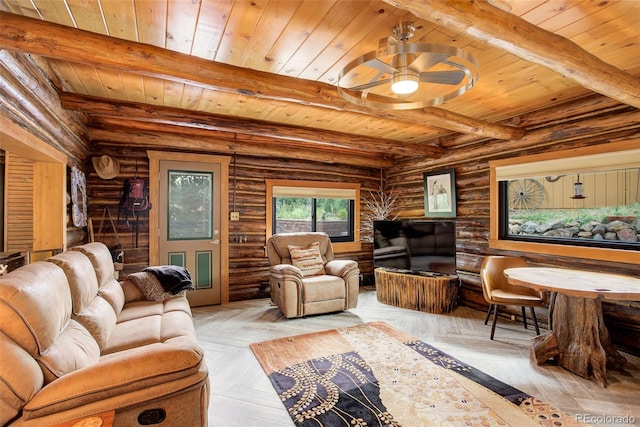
x,y
499,292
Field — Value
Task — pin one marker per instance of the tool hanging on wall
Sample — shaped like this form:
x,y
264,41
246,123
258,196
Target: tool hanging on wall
x,y
117,250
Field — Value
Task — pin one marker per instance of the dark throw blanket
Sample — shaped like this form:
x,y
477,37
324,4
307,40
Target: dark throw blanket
x,y
173,278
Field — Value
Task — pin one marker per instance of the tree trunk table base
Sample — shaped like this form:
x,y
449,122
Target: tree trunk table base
x,y
583,343
431,294
580,340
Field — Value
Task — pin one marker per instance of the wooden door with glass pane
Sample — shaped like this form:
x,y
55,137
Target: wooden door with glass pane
x,y
189,224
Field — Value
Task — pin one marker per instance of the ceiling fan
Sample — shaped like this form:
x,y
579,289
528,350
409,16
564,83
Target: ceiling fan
x,y
401,75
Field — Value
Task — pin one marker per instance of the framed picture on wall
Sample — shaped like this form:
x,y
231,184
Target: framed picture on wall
x,y
440,194
78,198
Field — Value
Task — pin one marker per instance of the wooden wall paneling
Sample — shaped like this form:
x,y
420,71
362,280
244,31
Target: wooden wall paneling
x,y
153,90
152,28
82,13
173,92
70,82
134,87
597,188
54,11
19,201
113,83
49,206
120,18
90,80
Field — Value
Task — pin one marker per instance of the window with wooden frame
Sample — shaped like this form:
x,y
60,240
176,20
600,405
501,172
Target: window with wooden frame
x,y
330,207
583,203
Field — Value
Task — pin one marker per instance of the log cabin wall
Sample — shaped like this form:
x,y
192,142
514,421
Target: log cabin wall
x,y
594,120
103,200
248,266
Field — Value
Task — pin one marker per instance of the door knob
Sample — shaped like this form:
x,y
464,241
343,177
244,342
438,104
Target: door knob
x,y
215,242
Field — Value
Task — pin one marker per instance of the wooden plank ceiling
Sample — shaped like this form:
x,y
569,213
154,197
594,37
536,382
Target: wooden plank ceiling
x,y
262,73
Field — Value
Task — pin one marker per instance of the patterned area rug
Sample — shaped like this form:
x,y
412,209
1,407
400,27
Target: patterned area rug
x,y
375,375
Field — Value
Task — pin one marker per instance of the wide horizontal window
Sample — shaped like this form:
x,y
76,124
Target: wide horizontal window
x,y
587,198
593,208
295,206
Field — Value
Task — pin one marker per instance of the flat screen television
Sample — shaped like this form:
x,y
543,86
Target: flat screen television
x,y
415,246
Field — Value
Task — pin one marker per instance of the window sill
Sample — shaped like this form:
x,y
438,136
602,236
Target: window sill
x,y
602,254
343,247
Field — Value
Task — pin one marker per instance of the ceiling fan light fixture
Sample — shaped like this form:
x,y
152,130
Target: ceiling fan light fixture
x,y
405,83
403,76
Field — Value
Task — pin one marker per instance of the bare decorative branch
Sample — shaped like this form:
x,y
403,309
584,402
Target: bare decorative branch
x,y
378,206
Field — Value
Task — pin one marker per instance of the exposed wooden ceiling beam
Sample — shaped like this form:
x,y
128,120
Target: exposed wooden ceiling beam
x,y
593,105
480,20
600,129
56,41
171,137
134,111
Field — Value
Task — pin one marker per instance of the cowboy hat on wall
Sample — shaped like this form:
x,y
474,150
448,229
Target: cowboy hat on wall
x,y
106,166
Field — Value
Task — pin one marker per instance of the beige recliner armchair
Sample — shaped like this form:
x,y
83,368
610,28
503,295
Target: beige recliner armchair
x,y
306,279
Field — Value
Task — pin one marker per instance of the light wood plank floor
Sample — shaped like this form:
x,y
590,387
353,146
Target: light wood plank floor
x,y
241,394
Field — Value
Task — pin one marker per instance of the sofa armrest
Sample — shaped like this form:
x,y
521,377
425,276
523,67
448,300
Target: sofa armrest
x,y
117,374
286,271
341,267
132,292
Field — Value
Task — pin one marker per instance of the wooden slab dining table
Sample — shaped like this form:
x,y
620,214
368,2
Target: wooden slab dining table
x,y
579,341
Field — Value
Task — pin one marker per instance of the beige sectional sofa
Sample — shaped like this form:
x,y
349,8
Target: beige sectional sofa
x,y
74,342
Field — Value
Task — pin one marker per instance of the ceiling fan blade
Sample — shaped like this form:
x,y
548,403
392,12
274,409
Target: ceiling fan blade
x,y
370,84
381,66
453,77
425,61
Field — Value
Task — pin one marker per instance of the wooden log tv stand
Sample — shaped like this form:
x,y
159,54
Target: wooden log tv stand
x,y
426,292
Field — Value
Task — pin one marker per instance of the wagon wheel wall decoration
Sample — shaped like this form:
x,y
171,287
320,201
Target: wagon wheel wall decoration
x,y
525,194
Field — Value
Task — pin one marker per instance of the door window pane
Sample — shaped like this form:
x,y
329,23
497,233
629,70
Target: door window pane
x,y
190,202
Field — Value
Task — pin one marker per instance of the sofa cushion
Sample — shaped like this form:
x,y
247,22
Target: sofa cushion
x,y
89,309
278,245
35,304
73,349
35,301
322,288
81,277
113,293
147,322
108,286
307,258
